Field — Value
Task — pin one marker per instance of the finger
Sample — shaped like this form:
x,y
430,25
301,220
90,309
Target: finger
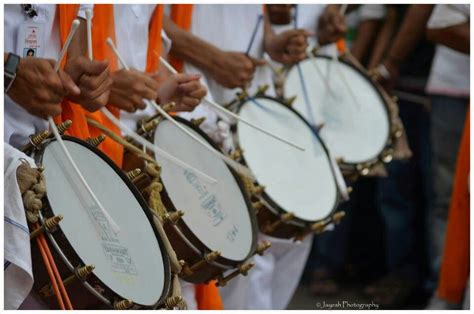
x,y
258,62
125,105
91,83
46,110
200,93
184,78
151,83
68,84
149,93
190,102
138,102
94,67
103,89
189,87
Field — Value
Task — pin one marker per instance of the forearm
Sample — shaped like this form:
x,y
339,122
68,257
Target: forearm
x,y
365,37
384,37
190,48
455,37
411,32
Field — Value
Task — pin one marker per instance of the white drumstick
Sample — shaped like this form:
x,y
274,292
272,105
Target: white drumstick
x,y
343,9
112,223
219,107
74,26
155,148
89,33
238,167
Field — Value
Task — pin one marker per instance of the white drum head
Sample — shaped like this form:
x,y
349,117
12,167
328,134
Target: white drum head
x,y
357,130
216,214
301,182
130,262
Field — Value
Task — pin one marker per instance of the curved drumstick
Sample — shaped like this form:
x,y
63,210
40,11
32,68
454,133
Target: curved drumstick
x,y
238,167
57,136
230,113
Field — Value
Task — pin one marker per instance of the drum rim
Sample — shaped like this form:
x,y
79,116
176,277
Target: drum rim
x,y
274,205
186,231
389,139
59,236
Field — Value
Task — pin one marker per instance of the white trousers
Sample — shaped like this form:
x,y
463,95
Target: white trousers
x,y
271,283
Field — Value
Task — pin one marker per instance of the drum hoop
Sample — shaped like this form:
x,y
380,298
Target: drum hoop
x,y
59,236
186,231
380,94
274,207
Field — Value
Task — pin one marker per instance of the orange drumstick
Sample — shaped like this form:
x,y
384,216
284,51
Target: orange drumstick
x,y
50,273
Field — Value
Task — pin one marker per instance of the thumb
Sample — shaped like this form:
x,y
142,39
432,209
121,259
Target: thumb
x,y
258,62
184,77
69,86
94,67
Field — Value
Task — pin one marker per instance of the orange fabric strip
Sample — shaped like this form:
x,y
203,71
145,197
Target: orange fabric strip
x,y
207,297
455,266
181,15
103,28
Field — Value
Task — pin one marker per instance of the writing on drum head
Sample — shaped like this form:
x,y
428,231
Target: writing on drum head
x,y
210,204
117,254
119,259
209,201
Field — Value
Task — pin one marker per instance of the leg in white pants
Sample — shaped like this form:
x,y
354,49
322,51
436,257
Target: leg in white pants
x,y
272,282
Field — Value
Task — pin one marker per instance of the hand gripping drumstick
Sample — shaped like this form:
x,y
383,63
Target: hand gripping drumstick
x,y
127,130
238,167
112,223
230,113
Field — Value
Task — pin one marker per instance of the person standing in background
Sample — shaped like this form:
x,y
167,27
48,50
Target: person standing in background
x,y
449,88
403,203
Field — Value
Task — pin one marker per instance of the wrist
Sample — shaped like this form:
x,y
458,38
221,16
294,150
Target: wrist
x,y
392,61
11,66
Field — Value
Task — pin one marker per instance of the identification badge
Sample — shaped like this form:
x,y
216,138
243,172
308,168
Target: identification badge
x,y
31,38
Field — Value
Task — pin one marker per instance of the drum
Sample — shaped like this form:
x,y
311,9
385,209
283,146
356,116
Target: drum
x,y
300,192
217,232
100,268
355,117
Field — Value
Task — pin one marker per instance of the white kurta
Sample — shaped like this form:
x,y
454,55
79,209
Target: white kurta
x,y
272,282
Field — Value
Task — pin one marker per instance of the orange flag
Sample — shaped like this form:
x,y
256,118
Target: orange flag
x,y
455,266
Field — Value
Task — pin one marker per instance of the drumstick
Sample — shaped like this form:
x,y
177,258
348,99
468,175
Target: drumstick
x,y
57,136
74,26
149,145
217,106
89,33
238,167
343,9
155,148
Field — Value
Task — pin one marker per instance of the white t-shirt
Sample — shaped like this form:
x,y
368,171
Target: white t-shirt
x,y
19,124
450,69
